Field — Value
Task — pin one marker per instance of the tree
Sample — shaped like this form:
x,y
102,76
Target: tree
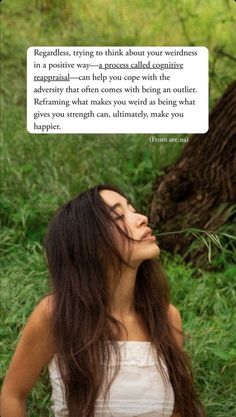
x,y
199,190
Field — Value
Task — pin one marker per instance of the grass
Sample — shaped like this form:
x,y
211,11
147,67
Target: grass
x,y
40,172
204,299
206,239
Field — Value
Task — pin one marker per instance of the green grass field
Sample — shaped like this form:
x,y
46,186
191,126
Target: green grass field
x,y
40,172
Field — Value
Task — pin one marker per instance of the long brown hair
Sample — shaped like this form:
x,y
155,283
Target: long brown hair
x,y
80,248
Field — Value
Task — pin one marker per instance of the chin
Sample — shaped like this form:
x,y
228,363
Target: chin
x,y
151,253
155,252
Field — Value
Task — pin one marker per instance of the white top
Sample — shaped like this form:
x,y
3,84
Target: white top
x,y
137,391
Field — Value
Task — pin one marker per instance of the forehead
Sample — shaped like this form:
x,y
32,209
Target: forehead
x,y
112,197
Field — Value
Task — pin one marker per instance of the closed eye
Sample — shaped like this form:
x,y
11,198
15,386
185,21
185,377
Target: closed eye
x,y
120,217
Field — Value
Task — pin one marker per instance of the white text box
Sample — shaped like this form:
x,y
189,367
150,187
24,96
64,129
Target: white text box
x,y
117,89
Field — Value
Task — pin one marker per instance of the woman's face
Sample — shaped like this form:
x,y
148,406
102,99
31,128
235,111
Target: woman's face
x,y
145,246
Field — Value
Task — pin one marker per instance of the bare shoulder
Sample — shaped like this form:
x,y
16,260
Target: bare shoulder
x,y
176,323
174,315
45,307
34,350
42,314
37,331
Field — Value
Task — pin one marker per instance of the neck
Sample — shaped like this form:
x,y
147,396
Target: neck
x,y
122,296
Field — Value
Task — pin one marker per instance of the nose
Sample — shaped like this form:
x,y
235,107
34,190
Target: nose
x,y
142,220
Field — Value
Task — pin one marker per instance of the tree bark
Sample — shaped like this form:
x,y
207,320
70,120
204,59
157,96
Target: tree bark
x,y
199,190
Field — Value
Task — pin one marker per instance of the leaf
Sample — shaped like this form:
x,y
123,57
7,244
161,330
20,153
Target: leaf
x,y
227,235
211,238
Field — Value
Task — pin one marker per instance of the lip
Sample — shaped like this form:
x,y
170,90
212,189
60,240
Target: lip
x,y
147,235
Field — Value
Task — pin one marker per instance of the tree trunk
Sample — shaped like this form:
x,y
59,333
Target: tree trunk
x,y
199,190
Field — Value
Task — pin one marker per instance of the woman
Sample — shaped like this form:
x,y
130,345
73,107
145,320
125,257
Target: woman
x,y
111,338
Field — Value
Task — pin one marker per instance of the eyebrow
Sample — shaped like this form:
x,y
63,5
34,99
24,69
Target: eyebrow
x,y
119,205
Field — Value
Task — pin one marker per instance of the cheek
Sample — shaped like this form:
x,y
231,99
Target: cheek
x,y
123,244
